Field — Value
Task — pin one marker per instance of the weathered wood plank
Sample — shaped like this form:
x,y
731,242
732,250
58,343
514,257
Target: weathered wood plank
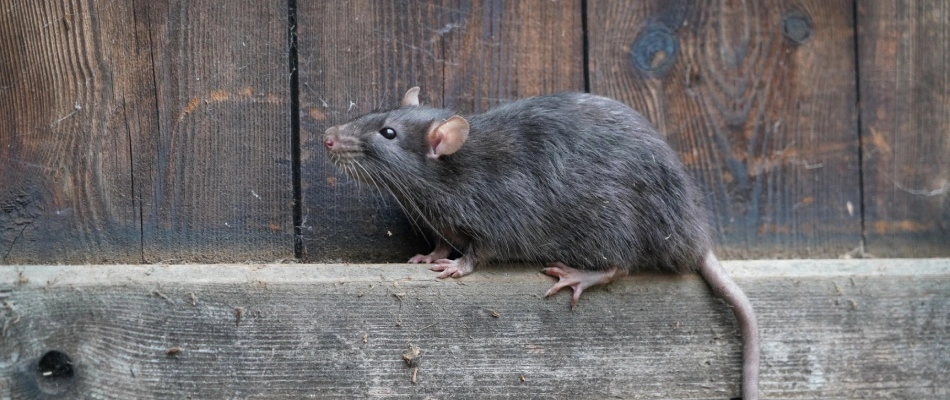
x,y
904,60
144,131
359,55
759,99
831,329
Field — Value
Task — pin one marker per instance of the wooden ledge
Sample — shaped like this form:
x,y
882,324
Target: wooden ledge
x,y
831,329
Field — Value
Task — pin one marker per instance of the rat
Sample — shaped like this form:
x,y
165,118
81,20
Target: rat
x,y
578,182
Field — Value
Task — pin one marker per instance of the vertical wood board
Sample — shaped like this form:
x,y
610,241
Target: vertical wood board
x,y
144,131
216,174
759,99
904,62
66,191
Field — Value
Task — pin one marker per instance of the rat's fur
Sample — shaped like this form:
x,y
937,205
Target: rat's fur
x,y
570,177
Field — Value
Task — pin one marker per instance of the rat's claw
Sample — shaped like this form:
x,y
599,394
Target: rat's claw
x,y
453,268
578,279
422,258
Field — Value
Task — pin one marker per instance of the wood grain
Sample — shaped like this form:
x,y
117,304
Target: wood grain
x,y
904,62
357,56
144,131
831,329
216,178
498,51
66,192
759,99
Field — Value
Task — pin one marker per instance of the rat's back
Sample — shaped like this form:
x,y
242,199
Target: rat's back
x,y
581,179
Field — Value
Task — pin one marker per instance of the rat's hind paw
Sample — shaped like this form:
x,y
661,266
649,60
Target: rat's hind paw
x,y
578,279
454,268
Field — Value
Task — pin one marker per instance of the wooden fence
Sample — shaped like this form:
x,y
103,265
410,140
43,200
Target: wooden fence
x,y
149,131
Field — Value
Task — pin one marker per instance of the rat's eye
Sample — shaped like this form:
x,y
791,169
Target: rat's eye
x,y
388,133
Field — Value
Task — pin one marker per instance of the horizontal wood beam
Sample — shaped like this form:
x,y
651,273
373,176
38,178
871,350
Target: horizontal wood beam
x,y
831,329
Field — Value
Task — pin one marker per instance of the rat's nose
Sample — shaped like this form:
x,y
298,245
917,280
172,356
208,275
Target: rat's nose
x,y
329,136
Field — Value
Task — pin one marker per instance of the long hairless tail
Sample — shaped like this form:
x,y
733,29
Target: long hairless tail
x,y
726,288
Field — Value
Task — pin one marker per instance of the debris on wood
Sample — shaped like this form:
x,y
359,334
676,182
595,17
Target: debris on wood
x,y
412,354
156,293
22,279
172,351
365,337
494,313
426,327
411,357
194,298
238,313
522,378
838,288
10,306
854,305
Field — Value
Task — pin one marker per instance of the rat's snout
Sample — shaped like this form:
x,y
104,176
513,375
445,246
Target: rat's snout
x,y
331,137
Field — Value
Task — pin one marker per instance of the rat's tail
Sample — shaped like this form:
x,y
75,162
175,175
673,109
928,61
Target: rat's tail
x,y
726,288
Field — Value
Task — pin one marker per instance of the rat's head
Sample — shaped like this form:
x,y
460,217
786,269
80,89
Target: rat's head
x,y
387,145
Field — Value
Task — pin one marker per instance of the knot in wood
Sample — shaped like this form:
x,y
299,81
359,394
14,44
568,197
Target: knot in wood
x,y
797,27
55,373
654,50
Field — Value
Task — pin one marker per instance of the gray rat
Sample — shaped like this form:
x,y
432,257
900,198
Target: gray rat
x,y
581,183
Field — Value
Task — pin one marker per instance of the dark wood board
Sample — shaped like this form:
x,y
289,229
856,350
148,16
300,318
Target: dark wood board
x,y
356,56
216,177
144,131
497,51
831,329
759,100
66,192
904,62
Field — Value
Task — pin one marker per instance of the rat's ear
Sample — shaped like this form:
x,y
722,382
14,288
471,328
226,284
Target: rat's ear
x,y
411,98
447,137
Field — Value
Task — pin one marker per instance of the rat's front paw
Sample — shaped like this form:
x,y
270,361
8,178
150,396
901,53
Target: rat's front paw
x,y
422,259
453,268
